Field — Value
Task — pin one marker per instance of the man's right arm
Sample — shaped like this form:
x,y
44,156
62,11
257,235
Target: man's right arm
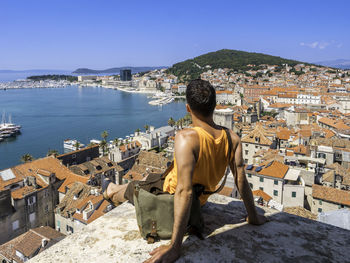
x,y
242,183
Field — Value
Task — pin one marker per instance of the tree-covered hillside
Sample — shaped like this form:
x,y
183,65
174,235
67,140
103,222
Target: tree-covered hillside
x,y
224,58
53,77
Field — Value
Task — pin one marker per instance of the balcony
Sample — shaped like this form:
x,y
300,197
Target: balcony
x,y
286,238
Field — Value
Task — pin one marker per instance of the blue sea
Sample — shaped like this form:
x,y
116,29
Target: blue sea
x,y
49,116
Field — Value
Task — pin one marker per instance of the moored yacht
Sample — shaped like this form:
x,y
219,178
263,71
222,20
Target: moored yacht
x,y
72,145
8,129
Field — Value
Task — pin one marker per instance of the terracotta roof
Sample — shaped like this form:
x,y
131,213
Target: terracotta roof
x,y
257,136
96,213
77,192
330,194
283,134
262,194
300,211
275,169
22,192
129,146
30,242
71,179
48,164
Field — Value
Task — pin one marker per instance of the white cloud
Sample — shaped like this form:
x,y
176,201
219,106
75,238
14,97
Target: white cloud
x,y
321,44
312,45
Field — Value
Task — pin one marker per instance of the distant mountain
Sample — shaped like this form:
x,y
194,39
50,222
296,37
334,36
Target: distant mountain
x,y
114,70
337,63
32,70
225,58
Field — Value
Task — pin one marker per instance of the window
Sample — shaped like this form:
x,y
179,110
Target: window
x,y
251,186
246,152
340,206
70,229
261,179
319,210
15,225
275,192
294,194
246,145
32,217
74,156
320,202
261,188
31,200
246,160
46,209
249,175
275,182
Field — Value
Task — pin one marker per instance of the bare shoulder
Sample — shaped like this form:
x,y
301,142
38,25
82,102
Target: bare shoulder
x,y
236,140
186,135
187,140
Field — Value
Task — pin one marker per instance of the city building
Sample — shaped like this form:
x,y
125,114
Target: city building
x,y
29,195
278,181
120,152
327,199
125,75
29,244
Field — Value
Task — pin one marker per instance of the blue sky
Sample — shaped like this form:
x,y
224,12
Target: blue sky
x,y
66,35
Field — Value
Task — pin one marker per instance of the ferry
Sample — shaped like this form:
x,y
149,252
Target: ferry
x,y
72,145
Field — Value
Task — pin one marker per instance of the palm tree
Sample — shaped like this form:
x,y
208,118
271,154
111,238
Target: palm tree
x,y
26,158
52,152
137,130
103,145
116,141
146,127
171,122
104,134
77,145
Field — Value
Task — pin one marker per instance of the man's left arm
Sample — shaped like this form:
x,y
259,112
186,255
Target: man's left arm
x,y
185,142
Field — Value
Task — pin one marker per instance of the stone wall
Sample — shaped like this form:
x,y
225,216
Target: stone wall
x,y
286,238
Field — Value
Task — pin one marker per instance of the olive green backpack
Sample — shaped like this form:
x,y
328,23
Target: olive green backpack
x,y
155,213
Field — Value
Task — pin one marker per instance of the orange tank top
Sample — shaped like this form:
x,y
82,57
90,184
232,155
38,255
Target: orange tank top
x,y
210,167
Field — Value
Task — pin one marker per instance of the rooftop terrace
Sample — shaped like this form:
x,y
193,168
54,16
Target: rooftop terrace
x,y
114,237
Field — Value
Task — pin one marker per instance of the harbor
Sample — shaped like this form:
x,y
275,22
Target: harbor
x,y
50,116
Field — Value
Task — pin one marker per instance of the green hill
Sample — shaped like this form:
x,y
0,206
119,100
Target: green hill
x,y
225,58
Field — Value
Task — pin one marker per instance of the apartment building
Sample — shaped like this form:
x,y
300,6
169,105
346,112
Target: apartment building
x,y
253,142
278,181
28,196
329,199
120,152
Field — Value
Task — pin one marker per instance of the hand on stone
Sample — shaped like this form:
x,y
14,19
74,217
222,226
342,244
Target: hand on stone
x,y
257,220
162,254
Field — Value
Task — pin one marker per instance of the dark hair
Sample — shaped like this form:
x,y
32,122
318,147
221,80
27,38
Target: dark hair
x,y
201,97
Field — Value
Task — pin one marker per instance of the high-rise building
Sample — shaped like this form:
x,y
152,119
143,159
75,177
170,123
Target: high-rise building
x,y
125,74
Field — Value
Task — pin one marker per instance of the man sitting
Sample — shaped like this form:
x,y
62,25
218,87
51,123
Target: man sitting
x,y
201,157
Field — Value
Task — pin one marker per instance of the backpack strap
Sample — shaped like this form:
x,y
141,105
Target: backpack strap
x,y
229,159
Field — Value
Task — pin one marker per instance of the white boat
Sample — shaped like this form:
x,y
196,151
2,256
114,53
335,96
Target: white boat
x,y
8,129
72,145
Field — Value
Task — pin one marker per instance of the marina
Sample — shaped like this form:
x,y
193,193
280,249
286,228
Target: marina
x,y
50,116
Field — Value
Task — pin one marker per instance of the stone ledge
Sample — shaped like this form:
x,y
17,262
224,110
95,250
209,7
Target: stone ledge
x,y
286,238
